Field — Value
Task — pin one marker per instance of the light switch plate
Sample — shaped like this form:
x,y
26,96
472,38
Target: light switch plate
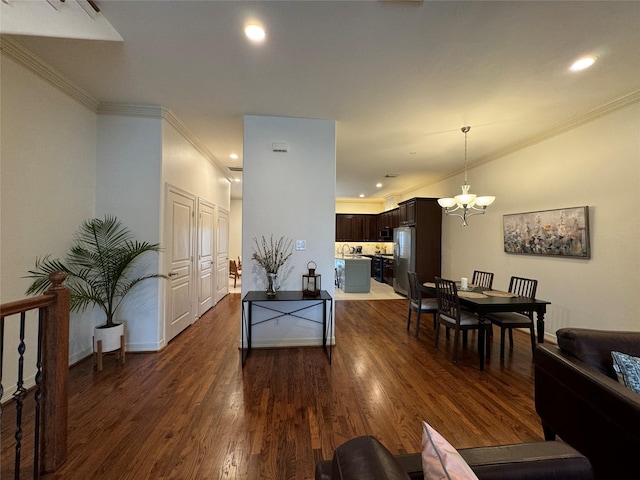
x,y
301,244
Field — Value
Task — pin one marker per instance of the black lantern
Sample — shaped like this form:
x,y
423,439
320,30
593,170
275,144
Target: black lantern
x,y
311,281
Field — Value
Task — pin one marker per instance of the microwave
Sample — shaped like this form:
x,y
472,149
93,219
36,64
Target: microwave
x,y
386,234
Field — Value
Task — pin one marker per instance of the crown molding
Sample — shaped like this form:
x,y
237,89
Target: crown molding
x,y
133,110
563,127
163,113
33,63
26,58
575,122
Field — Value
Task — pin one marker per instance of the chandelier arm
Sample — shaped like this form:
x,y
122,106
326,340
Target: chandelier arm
x,y
451,214
480,210
452,209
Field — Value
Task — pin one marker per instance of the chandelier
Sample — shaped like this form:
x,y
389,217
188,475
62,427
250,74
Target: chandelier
x,y
469,203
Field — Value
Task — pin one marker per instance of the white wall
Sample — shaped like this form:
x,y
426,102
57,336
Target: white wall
x,y
187,168
596,164
293,195
365,206
47,182
129,172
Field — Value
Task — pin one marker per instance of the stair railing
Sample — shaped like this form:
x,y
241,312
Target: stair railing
x,y
51,380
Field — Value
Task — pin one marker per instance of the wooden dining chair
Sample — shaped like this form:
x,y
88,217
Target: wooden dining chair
x,y
419,304
451,315
234,272
523,287
482,279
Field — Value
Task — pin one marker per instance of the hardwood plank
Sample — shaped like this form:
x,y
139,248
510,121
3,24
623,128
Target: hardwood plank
x,y
191,411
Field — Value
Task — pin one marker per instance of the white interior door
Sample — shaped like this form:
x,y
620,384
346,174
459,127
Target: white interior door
x,y
222,254
205,256
179,246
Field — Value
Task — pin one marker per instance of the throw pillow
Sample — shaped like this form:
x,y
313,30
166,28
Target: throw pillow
x,y
440,461
627,369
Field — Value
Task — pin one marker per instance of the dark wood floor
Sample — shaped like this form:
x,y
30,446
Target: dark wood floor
x,y
191,411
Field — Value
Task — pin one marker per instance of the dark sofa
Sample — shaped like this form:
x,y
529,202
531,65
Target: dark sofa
x,y
580,400
366,458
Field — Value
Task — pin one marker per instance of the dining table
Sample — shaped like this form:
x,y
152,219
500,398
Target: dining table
x,y
483,301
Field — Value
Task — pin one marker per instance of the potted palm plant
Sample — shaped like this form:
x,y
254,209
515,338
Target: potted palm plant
x,y
100,270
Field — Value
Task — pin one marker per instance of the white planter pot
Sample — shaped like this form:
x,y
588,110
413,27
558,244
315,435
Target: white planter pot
x,y
110,337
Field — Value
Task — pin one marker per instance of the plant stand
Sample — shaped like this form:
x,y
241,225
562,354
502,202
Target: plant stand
x,y
97,355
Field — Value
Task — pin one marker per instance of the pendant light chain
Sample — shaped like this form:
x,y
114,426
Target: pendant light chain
x,y
465,130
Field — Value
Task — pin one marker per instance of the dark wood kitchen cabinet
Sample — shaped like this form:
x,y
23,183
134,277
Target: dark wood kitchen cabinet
x,y
425,215
344,232
356,228
387,270
388,219
407,212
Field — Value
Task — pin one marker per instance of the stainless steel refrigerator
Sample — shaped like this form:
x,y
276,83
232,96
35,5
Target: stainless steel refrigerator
x,y
404,258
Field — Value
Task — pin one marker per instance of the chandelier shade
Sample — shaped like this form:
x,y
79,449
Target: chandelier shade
x,y
468,203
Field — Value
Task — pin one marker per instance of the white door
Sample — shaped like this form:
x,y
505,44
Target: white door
x,y
205,256
222,254
179,248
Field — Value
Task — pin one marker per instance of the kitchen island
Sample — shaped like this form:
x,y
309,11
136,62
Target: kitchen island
x,y
354,274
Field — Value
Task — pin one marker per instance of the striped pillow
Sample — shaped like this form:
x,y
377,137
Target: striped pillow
x,y
627,369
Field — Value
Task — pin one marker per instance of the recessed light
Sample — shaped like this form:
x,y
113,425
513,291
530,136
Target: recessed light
x,y
379,185
254,32
362,195
582,63
233,156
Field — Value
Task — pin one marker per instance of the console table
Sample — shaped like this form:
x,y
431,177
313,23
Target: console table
x,y
259,299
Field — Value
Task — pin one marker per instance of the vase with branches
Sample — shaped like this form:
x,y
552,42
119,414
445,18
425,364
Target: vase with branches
x,y
272,255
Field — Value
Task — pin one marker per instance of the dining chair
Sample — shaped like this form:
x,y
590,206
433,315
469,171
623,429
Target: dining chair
x,y
419,304
234,272
482,279
523,287
451,315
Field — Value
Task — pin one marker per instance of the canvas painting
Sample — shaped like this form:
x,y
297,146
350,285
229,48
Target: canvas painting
x,y
563,232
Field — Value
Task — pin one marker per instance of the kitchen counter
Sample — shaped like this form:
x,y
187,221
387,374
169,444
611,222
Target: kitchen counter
x,y
354,273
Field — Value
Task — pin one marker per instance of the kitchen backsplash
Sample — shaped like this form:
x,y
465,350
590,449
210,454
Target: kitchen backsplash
x,y
368,248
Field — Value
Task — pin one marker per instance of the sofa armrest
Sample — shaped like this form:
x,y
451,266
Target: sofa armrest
x,y
363,457
592,412
594,347
521,461
366,457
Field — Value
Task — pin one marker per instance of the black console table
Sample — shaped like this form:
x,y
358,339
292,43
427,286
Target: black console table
x,y
259,299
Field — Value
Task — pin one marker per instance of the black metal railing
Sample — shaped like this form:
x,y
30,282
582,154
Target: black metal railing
x,y
50,390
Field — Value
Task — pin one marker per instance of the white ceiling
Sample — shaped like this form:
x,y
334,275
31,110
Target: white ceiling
x,y
400,78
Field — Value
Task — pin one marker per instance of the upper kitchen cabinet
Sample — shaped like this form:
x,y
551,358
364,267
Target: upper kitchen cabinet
x,y
407,212
344,232
356,228
370,228
388,219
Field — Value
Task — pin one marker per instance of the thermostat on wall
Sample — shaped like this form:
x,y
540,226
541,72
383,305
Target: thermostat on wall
x,y
280,147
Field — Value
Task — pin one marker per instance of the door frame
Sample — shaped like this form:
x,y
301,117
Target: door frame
x,y
222,290
193,300
214,251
